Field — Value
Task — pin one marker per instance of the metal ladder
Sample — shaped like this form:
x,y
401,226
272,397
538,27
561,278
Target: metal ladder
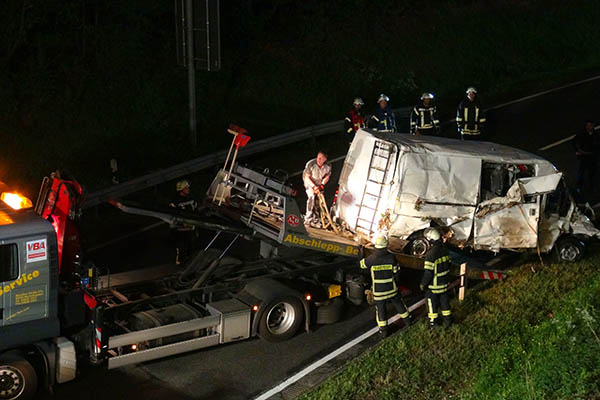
x,y
373,186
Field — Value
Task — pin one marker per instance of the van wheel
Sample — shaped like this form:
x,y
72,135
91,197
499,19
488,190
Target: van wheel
x,y
18,379
281,319
569,249
418,246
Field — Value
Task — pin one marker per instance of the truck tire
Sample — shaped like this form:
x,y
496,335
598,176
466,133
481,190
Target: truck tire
x,y
569,249
281,319
18,379
330,312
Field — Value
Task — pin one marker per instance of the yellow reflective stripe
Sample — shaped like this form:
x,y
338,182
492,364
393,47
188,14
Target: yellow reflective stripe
x,y
429,265
349,129
385,267
438,286
383,280
395,269
348,119
441,260
436,121
404,315
438,291
458,119
466,114
363,265
446,313
389,296
375,118
482,120
476,113
394,290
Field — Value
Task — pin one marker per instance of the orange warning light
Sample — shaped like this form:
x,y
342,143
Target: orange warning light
x,y
15,200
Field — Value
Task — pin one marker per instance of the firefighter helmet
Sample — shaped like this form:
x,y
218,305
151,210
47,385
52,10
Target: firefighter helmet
x,y
182,185
358,102
383,97
426,96
432,234
380,241
471,89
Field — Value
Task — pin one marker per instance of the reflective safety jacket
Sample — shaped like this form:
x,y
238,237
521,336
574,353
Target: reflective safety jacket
x,y
423,117
437,268
470,118
383,120
354,121
383,267
186,204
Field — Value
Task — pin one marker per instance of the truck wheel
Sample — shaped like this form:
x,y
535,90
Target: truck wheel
x,y
418,246
281,319
330,312
569,249
18,379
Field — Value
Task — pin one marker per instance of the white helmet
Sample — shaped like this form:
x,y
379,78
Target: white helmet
x,y
383,97
358,102
432,234
471,89
426,96
380,242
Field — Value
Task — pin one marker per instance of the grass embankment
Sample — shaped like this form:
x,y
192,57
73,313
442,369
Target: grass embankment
x,y
534,336
300,63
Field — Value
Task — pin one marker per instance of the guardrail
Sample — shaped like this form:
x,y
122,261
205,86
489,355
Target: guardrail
x,y
200,163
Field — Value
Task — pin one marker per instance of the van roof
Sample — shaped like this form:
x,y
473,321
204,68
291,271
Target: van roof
x,y
467,148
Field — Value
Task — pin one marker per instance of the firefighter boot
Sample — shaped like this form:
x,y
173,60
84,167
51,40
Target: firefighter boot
x,y
383,331
447,321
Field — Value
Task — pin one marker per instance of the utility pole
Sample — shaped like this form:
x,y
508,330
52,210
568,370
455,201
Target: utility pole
x,y
189,11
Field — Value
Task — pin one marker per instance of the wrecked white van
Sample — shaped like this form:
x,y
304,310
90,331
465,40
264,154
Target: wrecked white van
x,y
484,195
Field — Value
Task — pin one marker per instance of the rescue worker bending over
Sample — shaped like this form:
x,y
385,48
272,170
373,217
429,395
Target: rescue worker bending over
x,y
470,118
383,118
383,267
436,279
355,119
424,119
315,176
184,235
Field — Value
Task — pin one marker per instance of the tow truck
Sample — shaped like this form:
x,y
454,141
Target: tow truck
x,y
56,309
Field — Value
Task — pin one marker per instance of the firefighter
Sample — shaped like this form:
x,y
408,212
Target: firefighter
x,y
424,119
184,235
383,119
470,118
586,150
436,279
315,176
383,267
355,119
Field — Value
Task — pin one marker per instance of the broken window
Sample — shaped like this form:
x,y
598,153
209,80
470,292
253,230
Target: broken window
x,y
558,202
497,178
9,262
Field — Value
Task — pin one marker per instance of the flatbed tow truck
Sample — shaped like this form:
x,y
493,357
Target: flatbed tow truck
x,y
54,308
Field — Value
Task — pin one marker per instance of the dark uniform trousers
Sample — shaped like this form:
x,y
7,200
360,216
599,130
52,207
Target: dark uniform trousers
x,y
383,268
435,280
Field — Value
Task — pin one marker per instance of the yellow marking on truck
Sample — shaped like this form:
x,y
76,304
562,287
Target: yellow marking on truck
x,y
17,313
19,281
320,244
28,297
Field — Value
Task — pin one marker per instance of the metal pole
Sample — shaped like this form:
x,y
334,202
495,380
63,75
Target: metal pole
x,y
189,12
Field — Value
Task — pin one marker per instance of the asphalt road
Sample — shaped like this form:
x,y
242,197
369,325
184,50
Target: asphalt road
x,y
244,369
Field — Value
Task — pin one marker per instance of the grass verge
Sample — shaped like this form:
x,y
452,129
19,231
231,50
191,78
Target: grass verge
x,y
534,336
